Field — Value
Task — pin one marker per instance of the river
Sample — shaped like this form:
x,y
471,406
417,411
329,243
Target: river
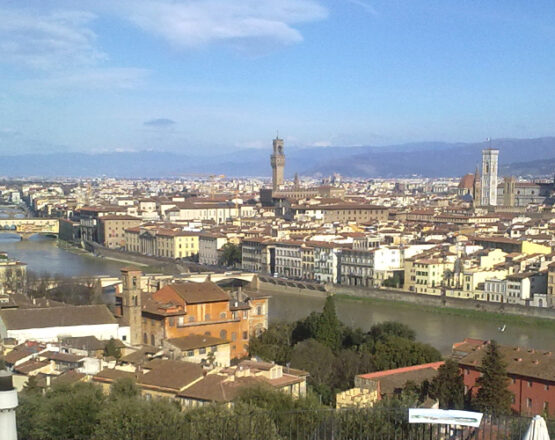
x,y
440,330
43,255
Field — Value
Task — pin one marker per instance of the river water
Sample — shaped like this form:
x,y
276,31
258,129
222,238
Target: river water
x,y
43,255
438,329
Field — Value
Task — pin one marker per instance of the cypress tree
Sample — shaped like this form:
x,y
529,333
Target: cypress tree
x,y
328,329
493,396
448,386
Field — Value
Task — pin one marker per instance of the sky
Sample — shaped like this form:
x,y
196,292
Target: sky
x,y
217,75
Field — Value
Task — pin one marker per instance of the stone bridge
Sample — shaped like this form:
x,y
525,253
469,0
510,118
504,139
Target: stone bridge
x,y
25,227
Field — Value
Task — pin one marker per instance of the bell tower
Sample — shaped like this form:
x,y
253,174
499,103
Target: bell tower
x,y
490,158
278,163
131,302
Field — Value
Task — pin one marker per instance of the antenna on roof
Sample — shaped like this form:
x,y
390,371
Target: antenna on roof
x,y
277,134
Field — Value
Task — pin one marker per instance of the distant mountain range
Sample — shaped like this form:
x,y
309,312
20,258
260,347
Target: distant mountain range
x,y
521,157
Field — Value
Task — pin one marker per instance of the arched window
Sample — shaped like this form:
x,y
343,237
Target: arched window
x,y
223,334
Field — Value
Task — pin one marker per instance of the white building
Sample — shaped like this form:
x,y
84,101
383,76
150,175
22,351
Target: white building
x,y
326,262
52,323
209,246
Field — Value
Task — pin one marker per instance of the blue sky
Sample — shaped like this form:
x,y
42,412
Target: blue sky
x,y
212,75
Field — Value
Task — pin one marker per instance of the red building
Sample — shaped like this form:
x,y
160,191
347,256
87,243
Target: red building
x,y
531,373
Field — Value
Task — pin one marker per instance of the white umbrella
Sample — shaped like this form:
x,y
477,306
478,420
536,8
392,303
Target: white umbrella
x,y
537,430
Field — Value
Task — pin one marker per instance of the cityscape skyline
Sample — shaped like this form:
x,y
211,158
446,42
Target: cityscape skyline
x,y
183,76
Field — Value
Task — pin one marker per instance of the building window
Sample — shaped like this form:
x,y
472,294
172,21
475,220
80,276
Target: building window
x,y
529,402
190,353
202,350
234,336
145,338
222,315
245,335
152,340
172,321
191,319
546,387
207,317
223,334
529,384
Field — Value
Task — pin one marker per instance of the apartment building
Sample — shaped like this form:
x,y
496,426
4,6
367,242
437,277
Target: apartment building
x,y
326,261
354,213
210,245
191,308
258,255
289,261
425,275
162,242
111,229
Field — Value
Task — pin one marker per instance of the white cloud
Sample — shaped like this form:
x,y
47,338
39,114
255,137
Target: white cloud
x,y
193,23
47,40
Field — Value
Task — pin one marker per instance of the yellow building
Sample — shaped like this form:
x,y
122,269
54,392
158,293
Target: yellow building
x,y
426,275
176,244
529,247
357,398
466,284
162,242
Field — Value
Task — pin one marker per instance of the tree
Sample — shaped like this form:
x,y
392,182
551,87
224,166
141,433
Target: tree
x,y
31,386
124,388
325,327
493,395
316,358
69,412
397,352
391,328
231,255
112,349
275,344
448,386
139,419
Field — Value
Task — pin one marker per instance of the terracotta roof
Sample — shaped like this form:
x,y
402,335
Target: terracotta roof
x,y
89,343
193,293
29,366
69,377
56,317
170,375
111,375
61,357
393,380
196,341
539,364
216,388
